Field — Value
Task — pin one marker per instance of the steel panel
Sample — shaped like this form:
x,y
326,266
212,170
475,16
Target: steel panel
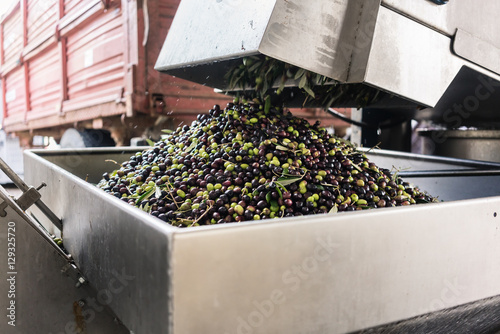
x,y
379,267
42,17
478,20
45,81
397,62
315,274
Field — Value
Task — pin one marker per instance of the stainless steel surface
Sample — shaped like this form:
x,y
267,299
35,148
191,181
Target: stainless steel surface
x,y
469,179
315,274
32,198
477,19
11,203
45,299
336,274
392,46
108,239
466,144
477,50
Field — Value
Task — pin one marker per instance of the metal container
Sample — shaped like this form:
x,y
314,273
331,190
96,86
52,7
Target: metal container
x,y
329,273
464,144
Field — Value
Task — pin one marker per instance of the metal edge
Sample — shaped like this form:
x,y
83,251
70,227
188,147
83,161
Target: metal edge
x,y
429,158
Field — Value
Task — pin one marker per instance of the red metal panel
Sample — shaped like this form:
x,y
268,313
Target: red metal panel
x,y
63,58
44,79
4,103
72,5
15,96
13,37
42,17
180,96
1,45
24,13
95,59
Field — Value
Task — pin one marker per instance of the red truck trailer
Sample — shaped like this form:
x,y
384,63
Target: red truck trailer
x,y
89,64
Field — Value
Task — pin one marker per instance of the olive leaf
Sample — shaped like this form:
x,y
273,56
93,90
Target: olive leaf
x,y
303,82
150,142
146,195
279,191
267,106
334,209
268,197
309,91
300,73
192,146
284,181
282,148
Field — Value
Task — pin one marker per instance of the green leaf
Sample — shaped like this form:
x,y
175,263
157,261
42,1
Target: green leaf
x,y
146,195
421,201
303,82
282,148
357,167
192,146
255,66
299,73
267,106
150,142
279,191
309,91
284,181
334,209
329,185
280,186
268,197
167,131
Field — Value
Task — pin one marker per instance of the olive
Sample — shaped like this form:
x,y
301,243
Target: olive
x,y
243,163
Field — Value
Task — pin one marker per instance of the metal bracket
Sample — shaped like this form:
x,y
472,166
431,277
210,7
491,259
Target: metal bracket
x,y
70,268
29,197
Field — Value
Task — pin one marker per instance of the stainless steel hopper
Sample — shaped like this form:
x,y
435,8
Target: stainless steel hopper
x,y
431,55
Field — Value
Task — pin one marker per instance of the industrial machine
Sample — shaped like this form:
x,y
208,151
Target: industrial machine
x,y
426,268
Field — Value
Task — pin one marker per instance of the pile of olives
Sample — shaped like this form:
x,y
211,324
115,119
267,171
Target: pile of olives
x,y
253,161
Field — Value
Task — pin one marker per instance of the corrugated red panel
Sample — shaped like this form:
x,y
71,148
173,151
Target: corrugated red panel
x,y
15,95
44,82
181,96
13,37
72,5
42,17
95,58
